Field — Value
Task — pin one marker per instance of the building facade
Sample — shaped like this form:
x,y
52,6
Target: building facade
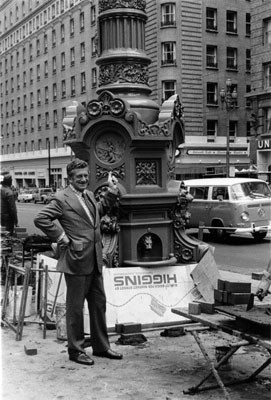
x,y
260,96
196,46
48,51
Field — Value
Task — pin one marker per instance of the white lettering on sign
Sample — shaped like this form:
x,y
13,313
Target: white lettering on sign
x,y
264,144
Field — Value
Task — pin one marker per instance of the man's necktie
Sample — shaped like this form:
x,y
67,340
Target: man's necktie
x,y
88,207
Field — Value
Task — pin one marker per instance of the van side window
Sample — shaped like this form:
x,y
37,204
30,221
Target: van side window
x,y
220,193
200,193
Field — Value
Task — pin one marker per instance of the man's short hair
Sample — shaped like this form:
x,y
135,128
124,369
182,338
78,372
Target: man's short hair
x,y
76,164
7,180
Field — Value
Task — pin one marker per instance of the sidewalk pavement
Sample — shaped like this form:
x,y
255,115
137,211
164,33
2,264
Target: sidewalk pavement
x,y
159,369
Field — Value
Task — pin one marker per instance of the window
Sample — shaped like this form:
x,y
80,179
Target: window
x,y
82,51
31,76
63,63
200,192
39,122
231,58
55,117
248,24
38,72
17,58
83,82
25,126
267,31
211,129
211,19
93,46
54,65
267,76
73,86
12,84
168,53
169,89
267,119
168,17
46,94
248,60
47,124
82,22
211,56
62,33
25,102
24,78
19,127
211,93
39,144
54,91
93,15
53,38
232,130
23,58
45,43
38,47
18,104
31,100
32,145
94,77
220,193
62,7
231,23
72,51
38,97
71,27
32,124
46,69
63,88
30,52
55,142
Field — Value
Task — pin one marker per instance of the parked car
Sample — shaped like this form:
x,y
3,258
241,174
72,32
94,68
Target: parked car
x,y
42,195
25,196
239,204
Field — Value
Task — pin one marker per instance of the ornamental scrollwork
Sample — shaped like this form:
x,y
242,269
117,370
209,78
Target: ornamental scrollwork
x,y
106,104
123,73
119,172
146,172
109,4
154,129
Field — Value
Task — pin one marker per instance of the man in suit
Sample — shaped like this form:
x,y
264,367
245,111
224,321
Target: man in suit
x,y
80,257
9,217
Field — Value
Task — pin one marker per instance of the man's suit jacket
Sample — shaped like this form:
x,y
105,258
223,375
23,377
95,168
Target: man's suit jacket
x,y
85,247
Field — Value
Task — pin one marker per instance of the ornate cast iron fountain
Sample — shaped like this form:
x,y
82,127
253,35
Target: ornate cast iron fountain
x,y
126,132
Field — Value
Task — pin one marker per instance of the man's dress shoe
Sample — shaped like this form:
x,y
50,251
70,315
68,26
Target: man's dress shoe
x,y
109,354
81,358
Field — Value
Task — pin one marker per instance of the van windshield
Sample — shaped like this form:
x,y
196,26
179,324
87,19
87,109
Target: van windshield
x,y
253,190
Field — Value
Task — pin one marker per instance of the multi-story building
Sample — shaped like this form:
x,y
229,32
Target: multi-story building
x,y
196,46
260,96
48,52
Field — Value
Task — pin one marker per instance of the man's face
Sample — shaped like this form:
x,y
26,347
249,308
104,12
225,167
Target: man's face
x,y
79,179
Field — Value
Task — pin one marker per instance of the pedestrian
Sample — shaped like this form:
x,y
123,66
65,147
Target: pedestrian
x,y
9,217
80,257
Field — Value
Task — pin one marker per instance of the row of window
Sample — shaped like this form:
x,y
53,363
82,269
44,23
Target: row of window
x,y
25,146
10,105
168,18
40,20
169,56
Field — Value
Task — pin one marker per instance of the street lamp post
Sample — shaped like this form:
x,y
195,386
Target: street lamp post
x,y
229,98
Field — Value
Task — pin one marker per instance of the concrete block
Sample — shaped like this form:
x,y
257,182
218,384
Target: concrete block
x,y
30,350
257,276
238,287
194,308
238,298
220,284
207,308
220,296
19,229
128,327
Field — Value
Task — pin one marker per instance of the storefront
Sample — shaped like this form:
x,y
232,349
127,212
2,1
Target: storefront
x,y
264,158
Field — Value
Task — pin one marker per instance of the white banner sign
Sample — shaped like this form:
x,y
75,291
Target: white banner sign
x,y
139,295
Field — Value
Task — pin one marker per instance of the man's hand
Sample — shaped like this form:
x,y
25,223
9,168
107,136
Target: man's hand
x,y
112,182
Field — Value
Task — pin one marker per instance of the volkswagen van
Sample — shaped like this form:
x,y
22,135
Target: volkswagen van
x,y
240,204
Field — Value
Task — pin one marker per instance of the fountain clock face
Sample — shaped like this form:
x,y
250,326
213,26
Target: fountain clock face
x,y
110,147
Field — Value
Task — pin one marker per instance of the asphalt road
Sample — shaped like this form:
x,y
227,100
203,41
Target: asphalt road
x,y
241,253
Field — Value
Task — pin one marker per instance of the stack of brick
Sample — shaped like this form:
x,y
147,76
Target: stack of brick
x,y
232,293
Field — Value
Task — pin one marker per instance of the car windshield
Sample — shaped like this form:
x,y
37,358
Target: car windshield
x,y
253,190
